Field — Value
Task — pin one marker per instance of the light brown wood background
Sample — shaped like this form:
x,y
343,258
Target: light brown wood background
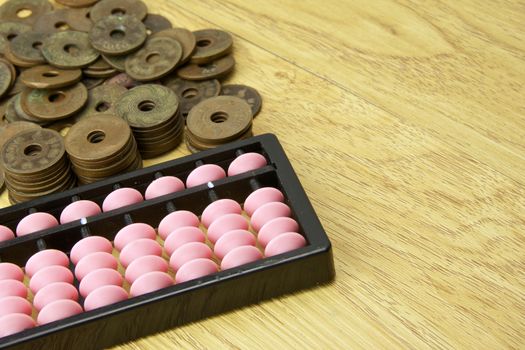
x,y
405,121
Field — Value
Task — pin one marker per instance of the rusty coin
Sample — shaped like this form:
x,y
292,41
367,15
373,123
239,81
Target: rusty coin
x,y
192,92
26,11
155,23
185,38
49,77
6,77
26,46
106,8
64,19
118,35
77,3
102,100
54,104
247,93
211,45
215,70
156,59
69,50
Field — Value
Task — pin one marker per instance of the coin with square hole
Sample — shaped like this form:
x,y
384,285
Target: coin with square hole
x,y
49,77
69,50
215,70
27,46
191,93
102,100
185,38
156,59
26,11
118,35
247,93
54,104
64,19
118,8
211,45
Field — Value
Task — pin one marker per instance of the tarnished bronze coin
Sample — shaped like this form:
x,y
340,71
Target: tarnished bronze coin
x,y
54,104
64,19
77,3
102,100
155,23
117,62
26,11
185,38
123,80
6,77
22,115
156,59
49,77
99,69
191,93
106,8
118,35
211,45
247,93
17,61
91,83
69,49
216,70
10,113
10,30
26,46
219,119
9,130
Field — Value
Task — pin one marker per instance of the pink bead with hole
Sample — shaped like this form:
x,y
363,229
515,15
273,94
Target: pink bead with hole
x,y
104,296
189,251
246,162
12,288
58,310
195,269
175,220
49,275
10,271
231,240
95,261
240,256
181,236
204,174
90,245
79,210
284,243
133,232
150,282
219,208
45,258
139,248
15,305
99,278
163,186
14,323
35,222
120,198
275,227
6,233
225,223
267,212
260,197
53,292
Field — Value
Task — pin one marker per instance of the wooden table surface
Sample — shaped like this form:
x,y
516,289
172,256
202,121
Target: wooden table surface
x,y
405,121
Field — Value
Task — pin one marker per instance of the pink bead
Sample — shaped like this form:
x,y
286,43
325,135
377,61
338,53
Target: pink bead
x,y
194,269
103,296
99,278
225,223
181,236
144,265
267,212
189,251
231,240
53,292
12,288
14,323
218,209
246,162
275,227
164,185
121,198
15,305
6,233
150,282
49,275
139,248
95,261
260,197
58,310
79,210
283,243
90,245
177,219
204,174
240,256
9,271
44,258
133,232
35,222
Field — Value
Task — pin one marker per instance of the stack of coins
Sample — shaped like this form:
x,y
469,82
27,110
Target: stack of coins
x,y
100,147
35,164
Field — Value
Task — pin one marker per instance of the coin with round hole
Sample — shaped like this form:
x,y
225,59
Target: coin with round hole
x,y
185,38
8,54
247,93
26,11
69,49
155,23
191,93
118,8
102,100
11,129
211,45
10,30
205,146
22,115
49,77
118,35
104,160
217,69
26,46
64,19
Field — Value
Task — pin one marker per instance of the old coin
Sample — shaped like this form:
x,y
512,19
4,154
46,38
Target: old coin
x,y
219,119
22,115
9,130
99,69
77,3
10,113
211,45
123,80
216,70
69,50
26,46
117,62
106,8
191,93
54,104
6,77
10,30
26,11
91,83
247,93
17,61
156,59
102,100
185,38
64,19
49,77
118,35
155,23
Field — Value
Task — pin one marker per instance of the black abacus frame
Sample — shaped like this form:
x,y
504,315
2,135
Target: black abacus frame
x,y
186,302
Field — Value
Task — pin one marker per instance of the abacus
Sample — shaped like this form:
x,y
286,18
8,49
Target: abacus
x,y
158,247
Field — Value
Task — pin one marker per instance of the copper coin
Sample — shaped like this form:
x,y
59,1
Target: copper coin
x,y
117,62
147,105
9,130
17,61
195,145
6,77
69,50
10,30
26,11
191,93
77,3
219,119
64,19
211,45
26,46
155,23
54,104
49,77
93,163
22,115
216,70
185,38
91,83
99,69
156,59
123,80
17,87
10,113
247,93
106,8
102,100
118,35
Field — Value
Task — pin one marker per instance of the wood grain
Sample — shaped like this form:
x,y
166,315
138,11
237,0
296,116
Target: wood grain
x,y
405,123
